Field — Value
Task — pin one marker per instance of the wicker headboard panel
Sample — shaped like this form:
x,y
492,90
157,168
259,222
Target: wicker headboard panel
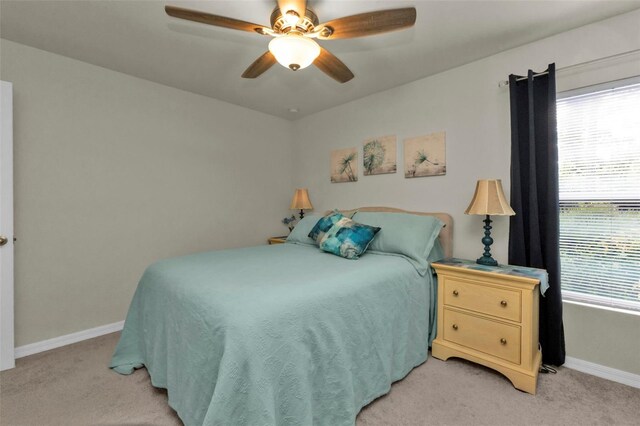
x,y
446,234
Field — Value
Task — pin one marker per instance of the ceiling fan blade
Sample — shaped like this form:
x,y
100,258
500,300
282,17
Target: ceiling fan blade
x,y
260,65
366,24
332,66
218,21
298,6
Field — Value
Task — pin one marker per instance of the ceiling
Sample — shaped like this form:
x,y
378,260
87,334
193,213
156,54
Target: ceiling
x,y
138,38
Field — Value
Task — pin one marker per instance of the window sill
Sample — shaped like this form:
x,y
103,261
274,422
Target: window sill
x,y
606,308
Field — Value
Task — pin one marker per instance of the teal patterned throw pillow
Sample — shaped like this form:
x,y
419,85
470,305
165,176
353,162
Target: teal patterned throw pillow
x,y
348,239
323,225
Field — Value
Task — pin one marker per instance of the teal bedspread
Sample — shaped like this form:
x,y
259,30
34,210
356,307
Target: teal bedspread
x,y
277,335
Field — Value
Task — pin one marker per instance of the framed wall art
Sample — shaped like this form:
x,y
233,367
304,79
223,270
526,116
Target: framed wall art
x,y
344,165
425,156
379,155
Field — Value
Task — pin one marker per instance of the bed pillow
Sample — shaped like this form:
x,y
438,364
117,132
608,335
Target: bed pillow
x,y
300,234
408,235
323,225
348,239
437,252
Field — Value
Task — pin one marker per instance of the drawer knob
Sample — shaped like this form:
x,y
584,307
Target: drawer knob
x,y
503,303
503,341
455,292
455,326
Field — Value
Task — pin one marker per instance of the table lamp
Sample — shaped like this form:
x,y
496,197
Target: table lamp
x,y
301,201
489,200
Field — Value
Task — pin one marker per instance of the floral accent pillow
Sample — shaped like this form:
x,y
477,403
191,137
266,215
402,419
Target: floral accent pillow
x,y
348,239
323,225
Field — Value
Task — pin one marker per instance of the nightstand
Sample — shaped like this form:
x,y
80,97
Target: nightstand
x,y
277,240
489,315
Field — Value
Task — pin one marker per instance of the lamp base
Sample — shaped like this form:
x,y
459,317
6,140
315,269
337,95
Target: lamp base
x,y
488,261
486,258
301,214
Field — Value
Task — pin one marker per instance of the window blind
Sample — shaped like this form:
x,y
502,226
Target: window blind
x,y
599,179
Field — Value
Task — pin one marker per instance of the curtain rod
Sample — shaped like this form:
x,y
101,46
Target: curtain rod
x,y
504,83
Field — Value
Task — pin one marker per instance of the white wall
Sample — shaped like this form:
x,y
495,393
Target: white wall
x,y
468,105
114,172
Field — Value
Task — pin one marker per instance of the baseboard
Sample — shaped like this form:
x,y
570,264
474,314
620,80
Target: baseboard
x,y
602,371
56,342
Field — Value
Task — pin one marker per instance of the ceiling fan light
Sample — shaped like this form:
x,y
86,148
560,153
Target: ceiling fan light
x,y
294,51
291,18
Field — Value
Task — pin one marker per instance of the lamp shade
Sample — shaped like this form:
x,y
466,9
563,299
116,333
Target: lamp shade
x,y
294,51
489,199
301,200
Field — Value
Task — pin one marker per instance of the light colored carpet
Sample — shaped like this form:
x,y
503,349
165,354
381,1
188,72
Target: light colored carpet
x,y
73,386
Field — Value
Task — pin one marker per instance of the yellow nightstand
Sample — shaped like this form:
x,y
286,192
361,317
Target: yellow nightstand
x,y
277,240
489,315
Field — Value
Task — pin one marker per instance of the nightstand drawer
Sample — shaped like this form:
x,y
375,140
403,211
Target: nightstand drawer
x,y
498,302
484,335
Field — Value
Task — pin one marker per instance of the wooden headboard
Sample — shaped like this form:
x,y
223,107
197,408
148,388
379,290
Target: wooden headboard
x,y
446,234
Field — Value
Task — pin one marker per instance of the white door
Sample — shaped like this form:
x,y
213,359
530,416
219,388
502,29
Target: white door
x,y
7,359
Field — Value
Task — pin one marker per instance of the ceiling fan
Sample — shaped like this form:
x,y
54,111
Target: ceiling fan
x,y
294,27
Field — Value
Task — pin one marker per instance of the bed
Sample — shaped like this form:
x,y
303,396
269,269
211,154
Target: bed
x,y
279,335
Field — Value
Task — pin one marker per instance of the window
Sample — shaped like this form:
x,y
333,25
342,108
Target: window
x,y
599,171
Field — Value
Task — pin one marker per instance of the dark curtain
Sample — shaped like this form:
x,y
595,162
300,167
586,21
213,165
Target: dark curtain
x,y
534,230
